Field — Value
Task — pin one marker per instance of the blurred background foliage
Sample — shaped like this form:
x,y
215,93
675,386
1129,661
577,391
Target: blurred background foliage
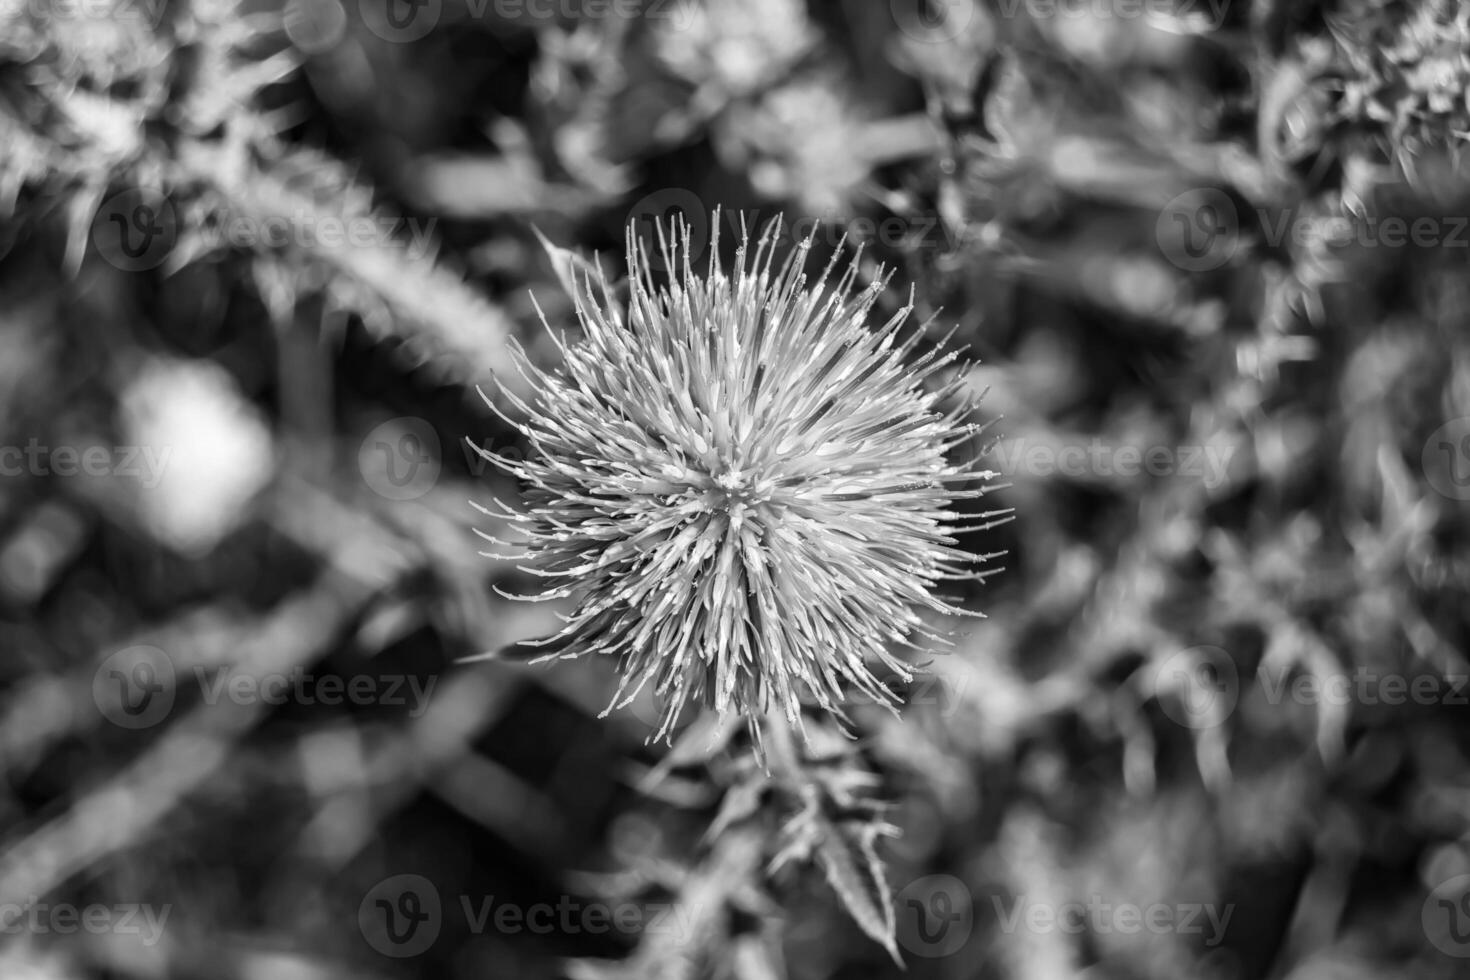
x,y
1023,170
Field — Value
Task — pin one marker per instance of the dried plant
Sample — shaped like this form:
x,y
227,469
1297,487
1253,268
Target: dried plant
x,y
744,489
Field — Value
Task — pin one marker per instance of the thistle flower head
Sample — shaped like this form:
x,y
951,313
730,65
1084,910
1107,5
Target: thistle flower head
x,y
742,488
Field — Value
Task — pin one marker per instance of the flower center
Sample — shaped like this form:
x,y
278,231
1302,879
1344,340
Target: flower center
x,y
740,492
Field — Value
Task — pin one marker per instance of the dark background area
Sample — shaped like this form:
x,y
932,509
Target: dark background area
x,y
256,262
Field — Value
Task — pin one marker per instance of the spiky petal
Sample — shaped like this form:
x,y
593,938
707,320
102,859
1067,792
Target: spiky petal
x,y
742,488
